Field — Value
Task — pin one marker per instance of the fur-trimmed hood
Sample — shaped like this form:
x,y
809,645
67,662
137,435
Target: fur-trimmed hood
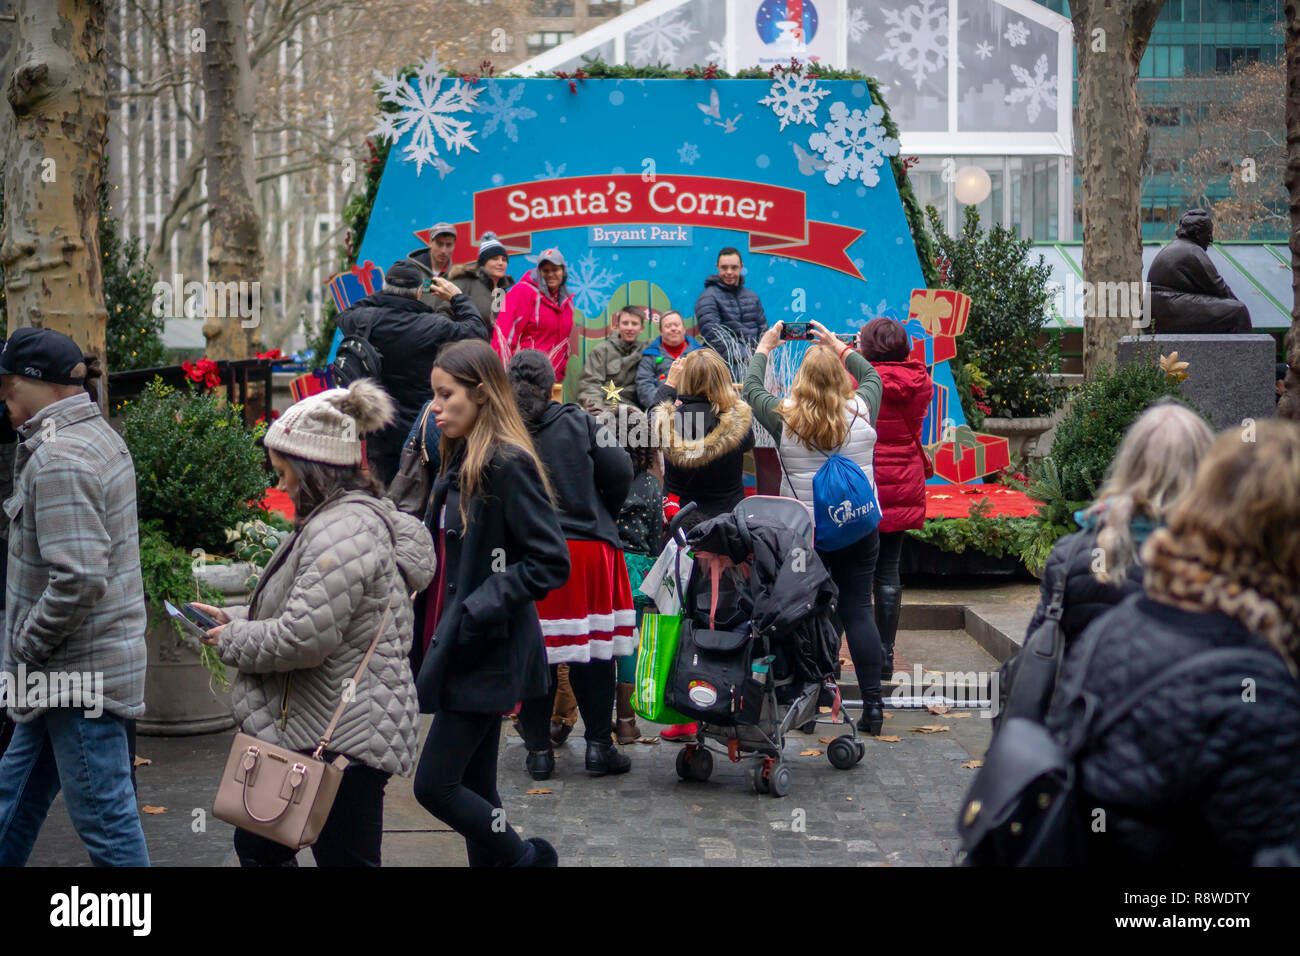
x,y
723,433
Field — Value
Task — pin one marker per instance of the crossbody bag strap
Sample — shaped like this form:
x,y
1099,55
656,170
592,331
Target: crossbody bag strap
x,y
356,680
419,433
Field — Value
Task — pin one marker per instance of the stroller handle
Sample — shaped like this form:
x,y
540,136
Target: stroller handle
x,y
674,526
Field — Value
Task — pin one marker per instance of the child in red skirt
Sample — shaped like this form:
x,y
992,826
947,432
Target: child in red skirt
x,y
589,621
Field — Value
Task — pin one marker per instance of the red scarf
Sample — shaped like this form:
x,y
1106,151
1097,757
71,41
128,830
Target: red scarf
x,y
675,353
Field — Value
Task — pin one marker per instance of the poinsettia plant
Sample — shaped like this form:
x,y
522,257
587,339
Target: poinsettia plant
x,y
204,372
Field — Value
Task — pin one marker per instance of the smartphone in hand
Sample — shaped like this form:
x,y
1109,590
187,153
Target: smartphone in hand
x,y
795,332
198,617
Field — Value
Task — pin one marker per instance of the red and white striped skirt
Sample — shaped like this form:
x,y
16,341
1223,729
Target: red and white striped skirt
x,y
591,617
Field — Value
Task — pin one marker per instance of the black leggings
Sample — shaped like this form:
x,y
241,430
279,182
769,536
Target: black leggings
x,y
352,833
891,549
852,569
593,687
456,781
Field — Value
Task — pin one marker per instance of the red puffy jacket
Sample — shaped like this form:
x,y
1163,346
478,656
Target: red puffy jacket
x,y
900,478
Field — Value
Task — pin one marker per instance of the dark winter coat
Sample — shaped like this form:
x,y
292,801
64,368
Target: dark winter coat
x,y
409,335
641,519
732,307
1196,774
652,370
1086,598
487,652
793,593
704,455
899,468
474,281
589,472
1187,292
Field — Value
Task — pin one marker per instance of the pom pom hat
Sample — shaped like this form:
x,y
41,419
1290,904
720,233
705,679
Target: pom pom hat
x,y
328,427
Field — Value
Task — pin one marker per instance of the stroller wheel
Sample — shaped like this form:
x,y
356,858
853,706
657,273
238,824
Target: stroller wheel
x,y
684,763
861,748
757,782
842,752
701,765
779,780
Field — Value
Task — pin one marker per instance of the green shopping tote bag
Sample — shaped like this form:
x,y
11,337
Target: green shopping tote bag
x,y
659,635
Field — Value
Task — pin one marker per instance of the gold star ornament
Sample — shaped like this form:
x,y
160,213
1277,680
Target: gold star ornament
x,y
614,393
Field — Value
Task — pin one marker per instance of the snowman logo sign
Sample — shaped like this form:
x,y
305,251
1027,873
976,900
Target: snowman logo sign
x,y
788,26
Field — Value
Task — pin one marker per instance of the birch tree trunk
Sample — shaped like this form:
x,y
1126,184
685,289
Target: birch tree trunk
x,y
1110,37
53,163
235,260
1289,406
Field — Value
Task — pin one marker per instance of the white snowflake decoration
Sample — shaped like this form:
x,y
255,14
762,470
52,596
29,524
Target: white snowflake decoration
x,y
1017,34
984,51
591,284
661,38
425,111
717,55
688,153
794,99
869,313
502,111
1037,89
552,172
918,38
857,25
854,144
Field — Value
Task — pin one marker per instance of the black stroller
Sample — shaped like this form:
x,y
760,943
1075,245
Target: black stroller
x,y
758,651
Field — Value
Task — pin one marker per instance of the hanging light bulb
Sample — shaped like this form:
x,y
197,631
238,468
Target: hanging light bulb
x,y
973,185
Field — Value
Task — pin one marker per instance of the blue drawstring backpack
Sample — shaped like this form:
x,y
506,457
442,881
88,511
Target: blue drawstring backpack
x,y
845,506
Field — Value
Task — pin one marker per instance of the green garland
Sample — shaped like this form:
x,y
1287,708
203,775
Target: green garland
x,y
996,537
356,215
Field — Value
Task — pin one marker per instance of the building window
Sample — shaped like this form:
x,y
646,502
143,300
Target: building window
x,y
539,42
552,8
1229,58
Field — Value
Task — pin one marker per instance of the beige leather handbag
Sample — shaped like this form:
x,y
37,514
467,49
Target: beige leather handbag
x,y
282,794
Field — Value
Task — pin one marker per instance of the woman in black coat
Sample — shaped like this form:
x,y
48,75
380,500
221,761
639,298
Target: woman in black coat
x,y
1205,769
500,549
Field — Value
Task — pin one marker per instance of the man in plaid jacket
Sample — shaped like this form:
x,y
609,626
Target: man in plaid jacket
x,y
73,644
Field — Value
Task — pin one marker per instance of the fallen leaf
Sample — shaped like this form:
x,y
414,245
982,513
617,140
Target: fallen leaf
x,y
889,716
931,728
536,790
958,716
972,764
825,740
938,708
850,799
142,761
810,753
889,739
823,710
153,809
696,807
941,497
647,740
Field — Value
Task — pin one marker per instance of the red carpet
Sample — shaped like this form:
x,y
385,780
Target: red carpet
x,y
955,501
278,501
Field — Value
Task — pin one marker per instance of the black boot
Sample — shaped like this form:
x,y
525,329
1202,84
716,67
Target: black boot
x,y
540,764
887,609
603,757
873,714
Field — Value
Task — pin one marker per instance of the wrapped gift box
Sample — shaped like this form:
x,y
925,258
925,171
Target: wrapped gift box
x,y
933,427
945,347
357,283
940,311
958,462
922,342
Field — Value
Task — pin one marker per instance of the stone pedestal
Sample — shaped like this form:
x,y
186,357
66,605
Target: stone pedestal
x,y
1230,377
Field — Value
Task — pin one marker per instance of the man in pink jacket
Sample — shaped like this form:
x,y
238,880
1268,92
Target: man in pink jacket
x,y
538,314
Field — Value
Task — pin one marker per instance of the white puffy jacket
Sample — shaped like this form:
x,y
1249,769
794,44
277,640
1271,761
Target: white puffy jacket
x,y
799,464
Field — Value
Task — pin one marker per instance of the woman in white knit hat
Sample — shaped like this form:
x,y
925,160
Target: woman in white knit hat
x,y
315,610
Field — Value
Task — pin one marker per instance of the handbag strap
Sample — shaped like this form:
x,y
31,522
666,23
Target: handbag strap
x,y
419,433
356,678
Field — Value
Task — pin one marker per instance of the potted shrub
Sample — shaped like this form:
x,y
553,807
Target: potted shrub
x,y
199,471
1001,372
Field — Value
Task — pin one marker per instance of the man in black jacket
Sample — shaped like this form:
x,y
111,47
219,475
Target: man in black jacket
x,y
408,335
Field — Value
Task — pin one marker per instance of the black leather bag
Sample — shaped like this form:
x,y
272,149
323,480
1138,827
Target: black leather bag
x,y
712,677
409,490
1023,806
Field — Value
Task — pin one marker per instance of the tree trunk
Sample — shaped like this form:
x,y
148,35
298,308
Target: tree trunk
x,y
235,255
1289,406
53,164
1113,139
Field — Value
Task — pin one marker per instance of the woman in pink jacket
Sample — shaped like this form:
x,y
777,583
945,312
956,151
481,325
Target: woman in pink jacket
x,y
538,314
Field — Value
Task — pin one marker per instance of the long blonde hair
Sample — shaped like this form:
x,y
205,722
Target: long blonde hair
x,y
704,373
1233,540
814,409
473,363
1154,466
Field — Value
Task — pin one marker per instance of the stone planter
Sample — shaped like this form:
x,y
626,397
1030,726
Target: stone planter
x,y
1022,435
181,696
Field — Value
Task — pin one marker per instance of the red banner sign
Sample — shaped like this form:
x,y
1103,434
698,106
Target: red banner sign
x,y
774,217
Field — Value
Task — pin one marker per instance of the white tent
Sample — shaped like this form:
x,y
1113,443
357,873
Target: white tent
x,y
984,83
